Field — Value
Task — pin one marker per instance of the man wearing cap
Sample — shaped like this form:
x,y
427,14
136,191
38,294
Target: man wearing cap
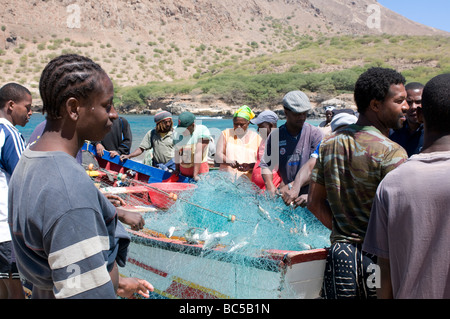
x,y
266,122
160,140
191,149
289,147
341,120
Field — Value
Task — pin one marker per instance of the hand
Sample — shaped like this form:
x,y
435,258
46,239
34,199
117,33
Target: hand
x,y
272,191
129,286
301,201
124,157
196,178
244,167
99,148
113,153
234,164
115,200
288,195
132,219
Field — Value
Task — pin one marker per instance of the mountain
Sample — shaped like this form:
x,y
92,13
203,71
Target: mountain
x,y
138,41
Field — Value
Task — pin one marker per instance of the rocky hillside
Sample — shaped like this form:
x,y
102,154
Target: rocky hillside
x,y
138,41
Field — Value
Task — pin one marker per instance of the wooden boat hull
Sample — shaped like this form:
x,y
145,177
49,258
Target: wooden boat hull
x,y
179,270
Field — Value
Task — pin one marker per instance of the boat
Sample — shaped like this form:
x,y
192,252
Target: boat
x,y
214,275
189,267
141,172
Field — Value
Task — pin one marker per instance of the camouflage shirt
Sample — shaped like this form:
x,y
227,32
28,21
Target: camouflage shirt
x,y
351,164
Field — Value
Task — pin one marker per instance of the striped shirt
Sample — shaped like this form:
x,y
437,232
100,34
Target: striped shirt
x,y
63,227
12,144
351,164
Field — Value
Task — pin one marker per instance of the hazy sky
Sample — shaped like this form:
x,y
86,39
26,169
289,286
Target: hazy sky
x,y
434,13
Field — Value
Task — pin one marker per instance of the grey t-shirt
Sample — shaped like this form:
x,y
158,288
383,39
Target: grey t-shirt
x,y
163,147
63,228
410,226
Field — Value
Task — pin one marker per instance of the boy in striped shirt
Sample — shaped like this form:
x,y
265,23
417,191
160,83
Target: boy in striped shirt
x,y
15,109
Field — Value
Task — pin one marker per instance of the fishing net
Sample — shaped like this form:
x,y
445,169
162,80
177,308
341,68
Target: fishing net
x,y
221,238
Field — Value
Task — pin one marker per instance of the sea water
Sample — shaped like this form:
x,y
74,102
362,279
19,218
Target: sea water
x,y
141,124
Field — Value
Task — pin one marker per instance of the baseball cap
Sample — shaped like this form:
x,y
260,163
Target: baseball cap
x,y
342,119
186,119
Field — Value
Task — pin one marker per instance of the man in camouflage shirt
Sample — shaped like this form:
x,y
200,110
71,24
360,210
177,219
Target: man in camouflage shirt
x,y
351,164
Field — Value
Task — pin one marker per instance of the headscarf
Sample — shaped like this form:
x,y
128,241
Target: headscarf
x,y
244,112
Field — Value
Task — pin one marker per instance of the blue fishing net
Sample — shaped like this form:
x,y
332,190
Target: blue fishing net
x,y
234,212
227,239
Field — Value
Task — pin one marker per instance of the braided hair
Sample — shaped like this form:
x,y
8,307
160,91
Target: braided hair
x,y
64,77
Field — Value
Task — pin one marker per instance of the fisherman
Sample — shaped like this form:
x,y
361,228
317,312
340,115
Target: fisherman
x,y
351,164
237,148
410,136
303,177
325,126
118,141
15,109
160,140
191,150
409,228
266,122
64,231
290,146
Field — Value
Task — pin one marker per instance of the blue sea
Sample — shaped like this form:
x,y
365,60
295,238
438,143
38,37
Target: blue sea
x,y
141,124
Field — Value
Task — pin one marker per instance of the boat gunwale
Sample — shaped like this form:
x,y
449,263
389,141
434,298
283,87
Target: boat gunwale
x,y
269,260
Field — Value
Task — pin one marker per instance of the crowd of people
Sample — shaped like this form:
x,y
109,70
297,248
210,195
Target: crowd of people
x,y
375,178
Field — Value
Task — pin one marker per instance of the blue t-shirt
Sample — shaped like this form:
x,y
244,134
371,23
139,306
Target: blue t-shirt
x,y
411,142
287,154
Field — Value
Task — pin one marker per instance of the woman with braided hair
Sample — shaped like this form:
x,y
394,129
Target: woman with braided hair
x,y
66,234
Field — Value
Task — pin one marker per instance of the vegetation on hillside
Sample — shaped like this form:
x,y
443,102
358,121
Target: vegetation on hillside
x,y
236,74
324,65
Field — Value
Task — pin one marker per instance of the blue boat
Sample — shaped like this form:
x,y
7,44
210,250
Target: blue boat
x,y
143,173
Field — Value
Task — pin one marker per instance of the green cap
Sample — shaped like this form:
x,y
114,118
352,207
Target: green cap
x,y
186,119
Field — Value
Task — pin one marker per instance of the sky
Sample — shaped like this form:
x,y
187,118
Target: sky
x,y
434,13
